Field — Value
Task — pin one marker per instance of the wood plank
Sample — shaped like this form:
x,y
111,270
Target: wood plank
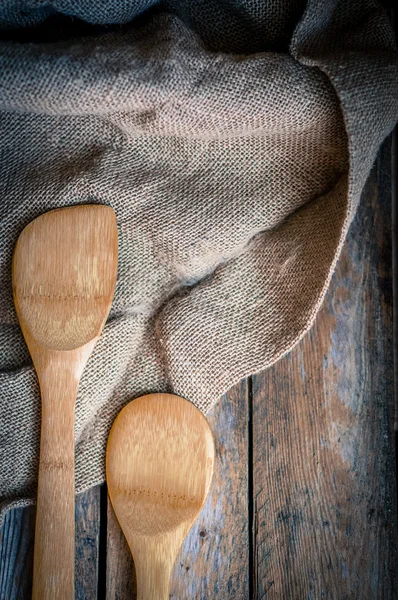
x,y
120,573
213,561
87,536
323,441
17,544
16,554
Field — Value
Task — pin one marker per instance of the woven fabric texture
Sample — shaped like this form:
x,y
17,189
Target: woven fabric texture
x,y
232,138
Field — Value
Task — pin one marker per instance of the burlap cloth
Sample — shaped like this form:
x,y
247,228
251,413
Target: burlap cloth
x,y
233,140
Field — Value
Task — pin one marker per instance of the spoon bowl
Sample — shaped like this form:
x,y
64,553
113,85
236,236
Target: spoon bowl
x,y
64,273
159,466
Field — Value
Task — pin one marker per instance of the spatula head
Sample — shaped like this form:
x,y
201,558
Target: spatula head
x,y
159,465
64,272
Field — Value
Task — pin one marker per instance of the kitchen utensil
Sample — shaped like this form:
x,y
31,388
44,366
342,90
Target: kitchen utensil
x,y
159,466
64,272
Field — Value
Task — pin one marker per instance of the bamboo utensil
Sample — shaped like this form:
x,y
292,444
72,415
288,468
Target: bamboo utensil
x,y
159,465
64,272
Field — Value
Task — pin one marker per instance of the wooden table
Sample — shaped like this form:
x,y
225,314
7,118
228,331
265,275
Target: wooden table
x,y
303,502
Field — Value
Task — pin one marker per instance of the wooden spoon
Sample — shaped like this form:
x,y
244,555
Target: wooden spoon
x,y
64,273
159,465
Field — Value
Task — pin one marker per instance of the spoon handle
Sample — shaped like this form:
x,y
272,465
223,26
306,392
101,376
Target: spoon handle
x,y
54,552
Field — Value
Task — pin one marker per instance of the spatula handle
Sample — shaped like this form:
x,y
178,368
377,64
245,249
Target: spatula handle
x,y
153,579
54,554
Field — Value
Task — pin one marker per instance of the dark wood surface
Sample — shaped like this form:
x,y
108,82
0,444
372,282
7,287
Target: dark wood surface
x,y
324,471
303,504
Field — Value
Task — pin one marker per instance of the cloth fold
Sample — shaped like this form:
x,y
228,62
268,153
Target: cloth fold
x,y
233,140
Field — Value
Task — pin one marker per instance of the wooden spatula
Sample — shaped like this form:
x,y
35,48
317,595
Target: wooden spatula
x,y
159,466
64,272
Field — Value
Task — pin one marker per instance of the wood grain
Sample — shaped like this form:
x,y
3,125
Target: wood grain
x,y
87,544
63,274
214,559
324,492
120,571
16,554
